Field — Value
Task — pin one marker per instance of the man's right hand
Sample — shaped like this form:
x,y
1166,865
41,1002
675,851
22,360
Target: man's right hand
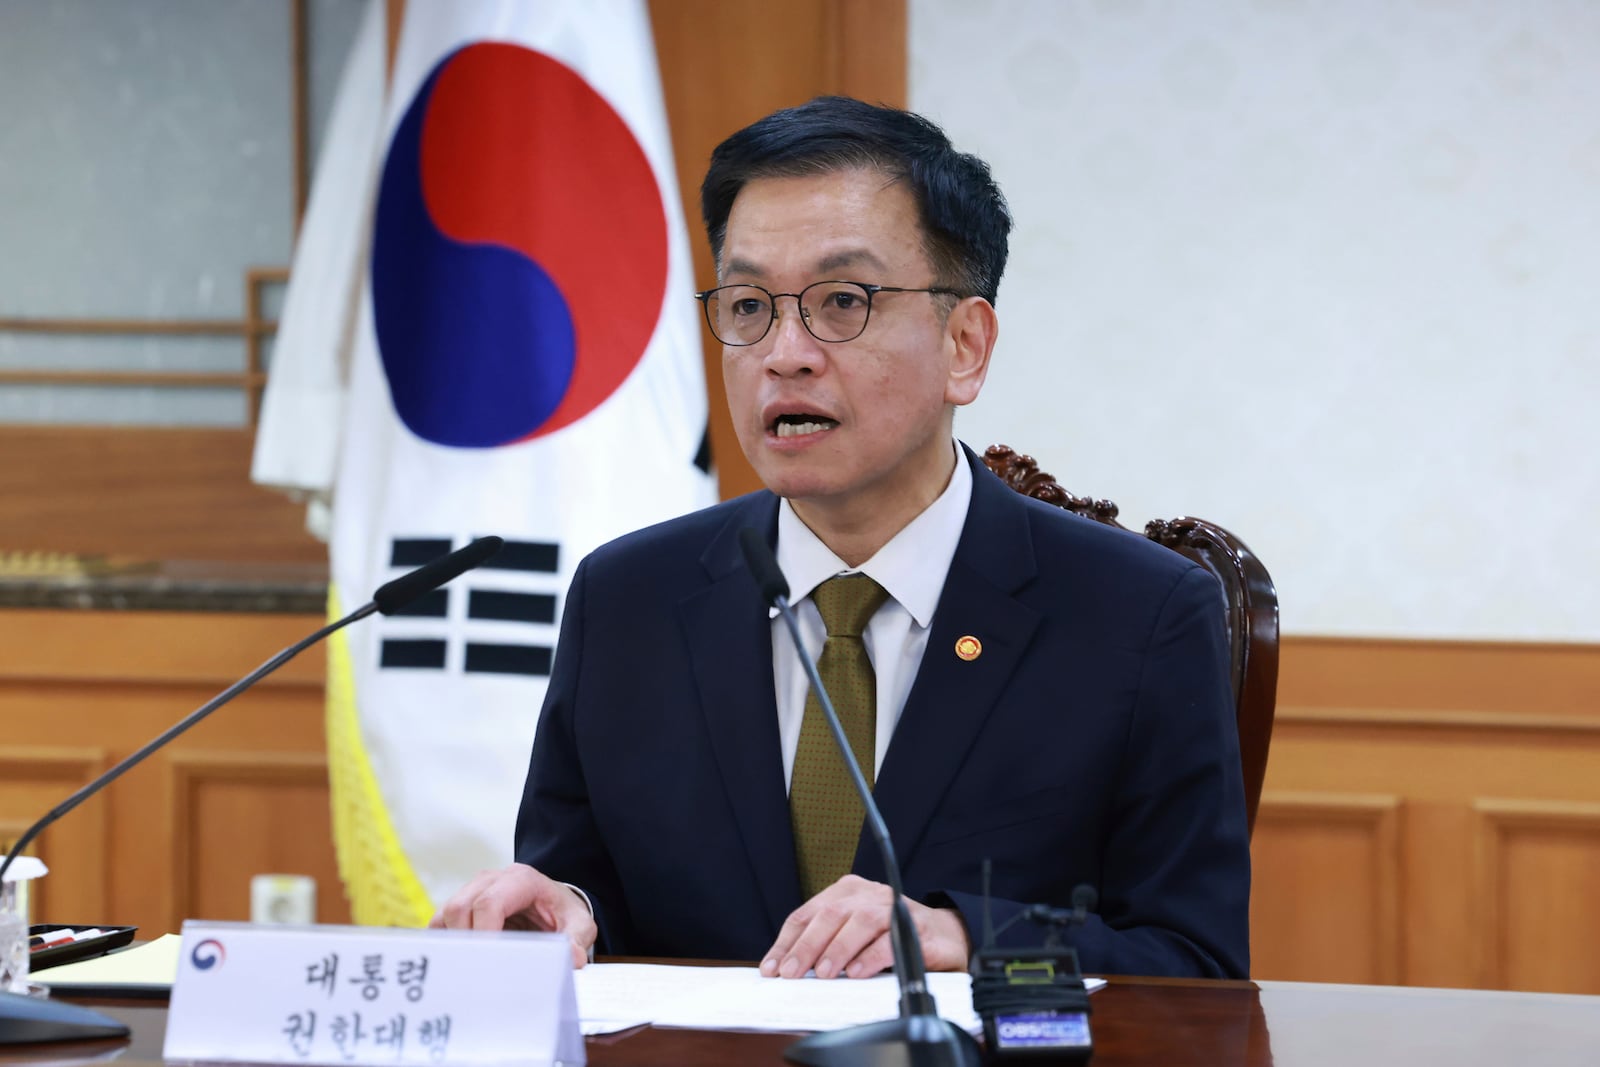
x,y
520,898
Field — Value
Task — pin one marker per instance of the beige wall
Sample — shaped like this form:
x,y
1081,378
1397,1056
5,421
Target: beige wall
x,y
1323,273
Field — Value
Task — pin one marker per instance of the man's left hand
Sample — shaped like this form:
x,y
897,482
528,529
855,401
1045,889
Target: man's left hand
x,y
845,930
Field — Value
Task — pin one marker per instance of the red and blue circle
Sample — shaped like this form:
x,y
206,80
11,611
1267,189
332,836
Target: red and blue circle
x,y
208,954
519,257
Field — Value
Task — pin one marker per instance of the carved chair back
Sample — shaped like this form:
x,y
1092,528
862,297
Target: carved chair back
x,y
1249,601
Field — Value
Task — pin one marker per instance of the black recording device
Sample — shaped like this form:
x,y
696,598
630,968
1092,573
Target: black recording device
x,y
1032,1001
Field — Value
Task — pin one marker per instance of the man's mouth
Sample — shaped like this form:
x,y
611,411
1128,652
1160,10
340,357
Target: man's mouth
x,y
799,425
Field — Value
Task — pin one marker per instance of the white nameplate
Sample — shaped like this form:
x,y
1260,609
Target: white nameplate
x,y
370,995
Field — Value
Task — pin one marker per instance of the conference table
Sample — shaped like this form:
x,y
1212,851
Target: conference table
x,y
1136,1021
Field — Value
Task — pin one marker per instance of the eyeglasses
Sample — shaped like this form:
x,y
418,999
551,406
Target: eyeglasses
x,y
741,315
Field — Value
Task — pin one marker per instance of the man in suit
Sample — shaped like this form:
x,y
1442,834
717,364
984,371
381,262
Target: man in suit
x,y
1037,690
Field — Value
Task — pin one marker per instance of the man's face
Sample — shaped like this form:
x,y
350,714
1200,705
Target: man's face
x,y
860,428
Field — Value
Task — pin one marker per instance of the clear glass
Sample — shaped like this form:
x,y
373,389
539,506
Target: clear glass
x,y
13,942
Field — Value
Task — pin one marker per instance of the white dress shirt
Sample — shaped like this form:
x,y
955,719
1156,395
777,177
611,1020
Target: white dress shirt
x,y
911,567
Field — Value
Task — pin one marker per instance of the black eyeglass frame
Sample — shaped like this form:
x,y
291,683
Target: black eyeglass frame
x,y
704,297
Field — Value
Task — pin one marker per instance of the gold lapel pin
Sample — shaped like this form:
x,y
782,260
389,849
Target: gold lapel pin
x,y
969,648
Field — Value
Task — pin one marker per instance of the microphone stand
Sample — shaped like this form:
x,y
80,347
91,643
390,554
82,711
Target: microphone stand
x,y
918,1037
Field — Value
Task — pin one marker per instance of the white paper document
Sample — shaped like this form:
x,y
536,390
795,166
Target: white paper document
x,y
150,966
616,996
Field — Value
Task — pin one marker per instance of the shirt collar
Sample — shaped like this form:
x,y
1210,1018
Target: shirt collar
x,y
911,566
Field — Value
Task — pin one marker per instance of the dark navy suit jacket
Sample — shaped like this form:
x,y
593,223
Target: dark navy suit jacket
x,y
1092,741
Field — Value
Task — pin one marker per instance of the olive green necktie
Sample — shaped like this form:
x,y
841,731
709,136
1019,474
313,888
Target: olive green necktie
x,y
823,805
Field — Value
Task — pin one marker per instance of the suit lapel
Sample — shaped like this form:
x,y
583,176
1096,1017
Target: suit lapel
x,y
952,697
730,641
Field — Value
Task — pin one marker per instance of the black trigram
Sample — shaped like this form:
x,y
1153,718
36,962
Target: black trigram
x,y
497,605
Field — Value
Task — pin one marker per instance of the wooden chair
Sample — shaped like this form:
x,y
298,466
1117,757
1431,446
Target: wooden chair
x,y
1249,602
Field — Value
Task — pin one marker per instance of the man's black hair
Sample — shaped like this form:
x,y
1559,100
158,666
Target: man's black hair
x,y
963,214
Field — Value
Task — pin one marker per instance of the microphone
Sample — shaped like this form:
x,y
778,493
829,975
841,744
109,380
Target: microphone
x,y
390,598
398,594
1084,898
919,1037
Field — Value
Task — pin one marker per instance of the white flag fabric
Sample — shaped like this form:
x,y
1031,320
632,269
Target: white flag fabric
x,y
297,437
526,363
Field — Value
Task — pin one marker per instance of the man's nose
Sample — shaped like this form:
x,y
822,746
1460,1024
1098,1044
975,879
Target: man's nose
x,y
794,349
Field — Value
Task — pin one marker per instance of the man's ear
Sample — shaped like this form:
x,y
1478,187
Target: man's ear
x,y
970,332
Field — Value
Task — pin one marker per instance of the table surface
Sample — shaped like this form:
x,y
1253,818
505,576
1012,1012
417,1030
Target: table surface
x,y
1137,1021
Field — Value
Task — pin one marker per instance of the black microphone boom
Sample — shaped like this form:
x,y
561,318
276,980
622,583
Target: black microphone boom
x,y
396,595
389,599
919,1037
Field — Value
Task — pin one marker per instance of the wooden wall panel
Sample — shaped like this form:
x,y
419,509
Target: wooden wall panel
x,y
1413,680
144,494
114,680
236,815
1537,867
180,649
1331,864
1440,913
36,779
871,42
1493,753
